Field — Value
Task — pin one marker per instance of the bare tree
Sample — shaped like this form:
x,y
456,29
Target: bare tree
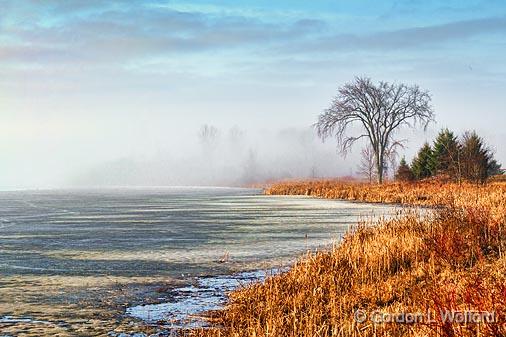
x,y
235,135
379,111
208,136
367,166
390,158
208,133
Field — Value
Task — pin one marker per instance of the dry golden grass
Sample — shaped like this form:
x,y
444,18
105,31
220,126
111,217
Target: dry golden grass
x,y
451,260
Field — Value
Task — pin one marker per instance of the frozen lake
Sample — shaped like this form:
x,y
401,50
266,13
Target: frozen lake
x,y
168,231
206,237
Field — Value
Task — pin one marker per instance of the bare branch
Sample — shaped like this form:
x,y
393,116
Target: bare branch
x,y
379,110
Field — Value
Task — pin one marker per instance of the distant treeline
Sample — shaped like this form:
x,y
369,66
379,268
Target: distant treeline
x,y
457,158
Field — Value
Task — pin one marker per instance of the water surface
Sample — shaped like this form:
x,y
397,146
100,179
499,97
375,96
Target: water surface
x,y
208,239
164,231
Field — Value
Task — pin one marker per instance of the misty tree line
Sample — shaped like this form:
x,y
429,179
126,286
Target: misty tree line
x,y
209,138
235,156
457,158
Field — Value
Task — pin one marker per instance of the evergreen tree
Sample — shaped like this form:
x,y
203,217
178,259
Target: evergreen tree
x,y
477,162
404,172
422,166
494,168
445,154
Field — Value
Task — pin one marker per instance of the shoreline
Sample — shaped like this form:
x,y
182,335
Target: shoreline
x,y
200,318
189,304
397,266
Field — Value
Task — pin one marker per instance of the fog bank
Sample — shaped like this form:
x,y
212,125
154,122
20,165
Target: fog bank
x,y
223,157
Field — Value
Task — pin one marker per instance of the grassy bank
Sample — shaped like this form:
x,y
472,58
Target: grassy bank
x,y
430,266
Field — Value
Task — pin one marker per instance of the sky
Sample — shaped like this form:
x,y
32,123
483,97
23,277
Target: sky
x,y
109,92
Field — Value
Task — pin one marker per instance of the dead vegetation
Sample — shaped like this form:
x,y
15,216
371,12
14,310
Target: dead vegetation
x,y
452,261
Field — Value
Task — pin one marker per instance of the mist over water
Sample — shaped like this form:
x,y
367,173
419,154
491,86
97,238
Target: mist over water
x,y
223,157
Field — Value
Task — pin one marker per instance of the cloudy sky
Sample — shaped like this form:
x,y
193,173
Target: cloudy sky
x,y
90,84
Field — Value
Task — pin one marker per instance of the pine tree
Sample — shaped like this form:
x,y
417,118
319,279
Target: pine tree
x,y
477,160
404,172
422,166
494,168
445,154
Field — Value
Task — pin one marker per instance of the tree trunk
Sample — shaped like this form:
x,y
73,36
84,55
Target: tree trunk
x,y
380,174
379,166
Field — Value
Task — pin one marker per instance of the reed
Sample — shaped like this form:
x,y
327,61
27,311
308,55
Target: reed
x,y
449,261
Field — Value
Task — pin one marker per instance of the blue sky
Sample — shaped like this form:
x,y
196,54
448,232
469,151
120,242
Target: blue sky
x,y
85,82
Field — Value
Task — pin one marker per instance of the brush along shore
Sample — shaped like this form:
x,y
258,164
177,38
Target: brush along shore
x,y
413,275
